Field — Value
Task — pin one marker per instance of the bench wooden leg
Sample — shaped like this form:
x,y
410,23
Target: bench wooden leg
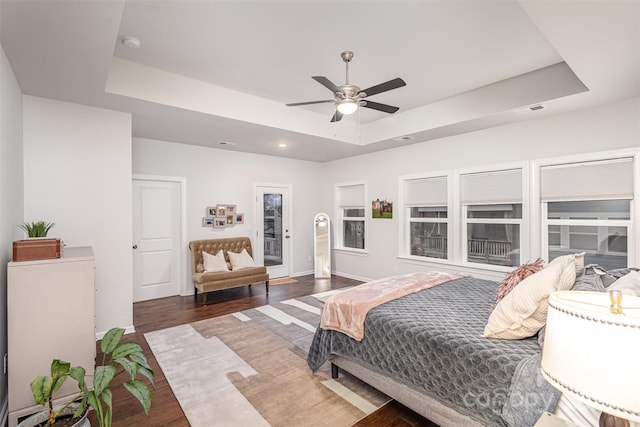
x,y
266,285
334,371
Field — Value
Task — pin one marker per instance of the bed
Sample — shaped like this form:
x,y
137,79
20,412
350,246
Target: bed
x,y
426,350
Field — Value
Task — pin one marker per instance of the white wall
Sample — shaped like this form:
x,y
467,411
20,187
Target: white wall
x,y
221,176
78,174
603,128
11,196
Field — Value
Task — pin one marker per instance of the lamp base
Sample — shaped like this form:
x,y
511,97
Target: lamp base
x,y
608,420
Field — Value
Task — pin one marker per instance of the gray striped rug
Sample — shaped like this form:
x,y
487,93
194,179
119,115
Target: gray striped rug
x,y
249,369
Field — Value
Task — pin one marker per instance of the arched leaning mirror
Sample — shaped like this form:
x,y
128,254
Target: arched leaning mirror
x,y
322,245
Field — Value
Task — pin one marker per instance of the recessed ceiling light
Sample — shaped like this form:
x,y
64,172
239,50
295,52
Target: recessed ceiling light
x,y
226,143
282,145
131,42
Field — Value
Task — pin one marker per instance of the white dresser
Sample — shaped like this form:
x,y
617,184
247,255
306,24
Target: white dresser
x,y
50,315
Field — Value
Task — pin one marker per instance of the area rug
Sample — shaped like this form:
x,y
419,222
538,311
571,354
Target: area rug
x,y
282,281
249,369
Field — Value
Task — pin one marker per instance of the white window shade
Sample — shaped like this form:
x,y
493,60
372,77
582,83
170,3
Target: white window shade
x,y
492,187
351,196
609,179
426,192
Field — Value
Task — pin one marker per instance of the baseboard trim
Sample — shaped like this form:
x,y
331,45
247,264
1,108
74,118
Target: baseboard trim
x,y
301,273
127,330
4,411
351,276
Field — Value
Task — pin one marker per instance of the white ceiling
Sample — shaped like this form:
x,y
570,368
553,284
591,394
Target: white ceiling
x,y
211,71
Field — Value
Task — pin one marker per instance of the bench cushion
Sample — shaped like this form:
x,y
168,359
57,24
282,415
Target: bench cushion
x,y
245,272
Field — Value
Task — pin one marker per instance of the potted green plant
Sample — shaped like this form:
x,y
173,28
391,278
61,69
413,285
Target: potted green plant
x,y
37,228
118,358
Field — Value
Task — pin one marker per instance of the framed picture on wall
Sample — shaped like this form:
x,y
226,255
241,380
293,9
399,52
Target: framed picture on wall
x,y
211,211
231,209
231,219
382,209
219,222
221,211
239,218
207,222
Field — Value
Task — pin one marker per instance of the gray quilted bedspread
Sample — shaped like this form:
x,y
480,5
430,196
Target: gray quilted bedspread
x,y
432,341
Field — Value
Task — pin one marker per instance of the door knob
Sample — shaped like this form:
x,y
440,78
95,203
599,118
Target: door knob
x,y
135,246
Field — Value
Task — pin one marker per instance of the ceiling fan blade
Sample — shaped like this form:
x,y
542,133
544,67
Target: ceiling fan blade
x,y
336,117
383,87
380,107
326,83
296,104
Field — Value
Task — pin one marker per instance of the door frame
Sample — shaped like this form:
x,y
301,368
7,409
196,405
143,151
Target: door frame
x,y
258,216
184,272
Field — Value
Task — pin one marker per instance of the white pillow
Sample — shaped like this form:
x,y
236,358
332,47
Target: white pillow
x,y
241,260
629,284
576,258
523,312
214,263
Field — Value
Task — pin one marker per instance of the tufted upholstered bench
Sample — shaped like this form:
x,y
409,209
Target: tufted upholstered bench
x,y
207,282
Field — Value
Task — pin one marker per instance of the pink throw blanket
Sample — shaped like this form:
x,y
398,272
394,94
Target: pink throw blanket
x,y
345,311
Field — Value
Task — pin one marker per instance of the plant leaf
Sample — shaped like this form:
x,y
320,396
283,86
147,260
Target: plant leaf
x,y
125,349
140,359
149,374
107,399
41,389
59,372
80,410
102,377
111,339
95,404
141,392
77,373
128,365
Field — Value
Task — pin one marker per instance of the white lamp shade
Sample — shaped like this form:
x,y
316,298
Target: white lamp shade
x,y
593,354
347,106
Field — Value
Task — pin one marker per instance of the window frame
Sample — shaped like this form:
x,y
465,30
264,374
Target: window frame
x,y
542,221
568,222
466,221
339,210
405,219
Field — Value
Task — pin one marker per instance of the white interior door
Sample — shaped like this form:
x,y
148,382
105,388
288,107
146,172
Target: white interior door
x,y
156,239
273,233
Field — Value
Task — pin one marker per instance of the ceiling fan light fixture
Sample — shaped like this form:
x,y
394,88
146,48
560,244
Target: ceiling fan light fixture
x,y
347,106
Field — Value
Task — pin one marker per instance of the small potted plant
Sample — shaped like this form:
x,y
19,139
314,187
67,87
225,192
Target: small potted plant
x,y
118,358
37,228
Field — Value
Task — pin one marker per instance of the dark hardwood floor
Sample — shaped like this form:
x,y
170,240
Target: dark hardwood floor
x,y
166,312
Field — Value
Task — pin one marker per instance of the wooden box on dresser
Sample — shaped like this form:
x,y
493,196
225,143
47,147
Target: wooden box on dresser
x,y
50,315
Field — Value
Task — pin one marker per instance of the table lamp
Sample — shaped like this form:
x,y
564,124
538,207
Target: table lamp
x,y
592,351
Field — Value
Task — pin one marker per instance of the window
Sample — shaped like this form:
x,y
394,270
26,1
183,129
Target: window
x,y
425,204
351,215
493,234
492,217
588,209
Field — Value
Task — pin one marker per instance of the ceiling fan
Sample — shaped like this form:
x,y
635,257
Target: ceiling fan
x,y
348,97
